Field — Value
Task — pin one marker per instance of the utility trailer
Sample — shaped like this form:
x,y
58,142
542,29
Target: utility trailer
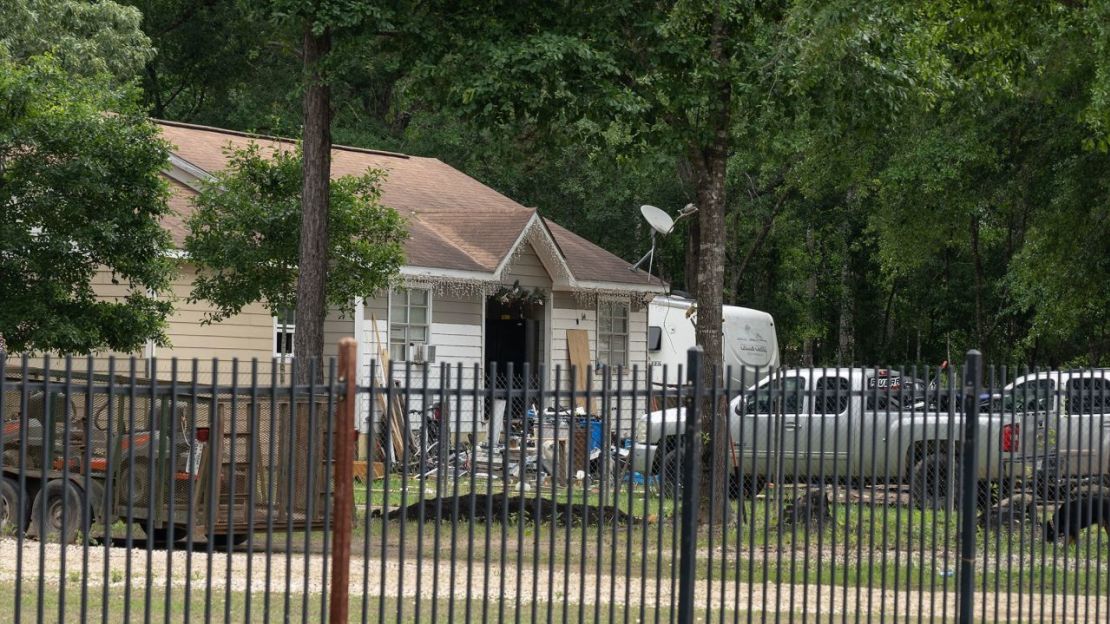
x,y
164,456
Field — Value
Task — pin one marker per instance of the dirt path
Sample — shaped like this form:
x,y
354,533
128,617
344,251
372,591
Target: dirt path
x,y
560,585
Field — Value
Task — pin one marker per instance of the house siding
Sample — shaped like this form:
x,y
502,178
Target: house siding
x,y
247,335
569,312
244,336
528,269
456,332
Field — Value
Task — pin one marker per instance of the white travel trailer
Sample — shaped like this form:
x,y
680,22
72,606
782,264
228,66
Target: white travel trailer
x,y
750,343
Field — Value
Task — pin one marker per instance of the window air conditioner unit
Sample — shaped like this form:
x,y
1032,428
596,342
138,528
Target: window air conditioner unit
x,y
421,353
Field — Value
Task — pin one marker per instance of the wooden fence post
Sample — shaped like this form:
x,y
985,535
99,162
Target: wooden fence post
x,y
343,508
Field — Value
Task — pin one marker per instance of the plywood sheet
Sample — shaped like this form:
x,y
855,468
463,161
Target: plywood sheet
x,y
578,357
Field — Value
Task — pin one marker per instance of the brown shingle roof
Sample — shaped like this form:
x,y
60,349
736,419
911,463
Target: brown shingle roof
x,y
454,221
589,265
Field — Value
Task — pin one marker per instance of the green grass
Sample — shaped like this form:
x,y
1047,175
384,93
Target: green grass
x,y
881,544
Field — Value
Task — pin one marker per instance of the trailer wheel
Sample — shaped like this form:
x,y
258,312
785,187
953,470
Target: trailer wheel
x,y
57,501
139,494
13,511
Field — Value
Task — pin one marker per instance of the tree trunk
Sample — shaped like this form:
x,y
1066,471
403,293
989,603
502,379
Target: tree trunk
x,y
738,274
313,253
978,285
846,340
808,346
710,289
693,245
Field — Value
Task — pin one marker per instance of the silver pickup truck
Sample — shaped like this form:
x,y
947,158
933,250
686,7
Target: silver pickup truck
x,y
853,425
1066,415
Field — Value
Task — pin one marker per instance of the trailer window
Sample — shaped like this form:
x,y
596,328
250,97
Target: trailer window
x,y
655,338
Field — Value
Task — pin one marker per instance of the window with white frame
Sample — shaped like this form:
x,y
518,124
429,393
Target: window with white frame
x,y
285,325
408,321
612,333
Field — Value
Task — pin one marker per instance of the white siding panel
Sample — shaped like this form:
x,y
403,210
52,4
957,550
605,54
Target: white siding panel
x,y
336,327
568,313
456,332
528,269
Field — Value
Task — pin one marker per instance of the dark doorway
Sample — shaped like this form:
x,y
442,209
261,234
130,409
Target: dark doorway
x,y
514,335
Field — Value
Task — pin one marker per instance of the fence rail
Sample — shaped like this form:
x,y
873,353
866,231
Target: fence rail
x,y
838,494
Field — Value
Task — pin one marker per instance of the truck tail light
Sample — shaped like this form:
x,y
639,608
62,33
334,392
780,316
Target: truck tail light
x,y
1011,438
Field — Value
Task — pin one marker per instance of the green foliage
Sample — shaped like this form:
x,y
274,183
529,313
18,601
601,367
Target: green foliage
x,y
87,38
930,176
219,62
80,191
244,235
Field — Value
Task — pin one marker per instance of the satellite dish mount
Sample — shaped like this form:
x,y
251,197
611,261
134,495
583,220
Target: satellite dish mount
x,y
661,223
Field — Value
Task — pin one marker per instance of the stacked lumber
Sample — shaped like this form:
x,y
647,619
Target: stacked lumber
x,y
400,436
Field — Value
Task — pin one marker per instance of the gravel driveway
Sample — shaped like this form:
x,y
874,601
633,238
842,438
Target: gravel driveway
x,y
565,586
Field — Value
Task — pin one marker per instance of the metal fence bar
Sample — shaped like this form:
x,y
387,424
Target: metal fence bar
x,y
691,463
969,465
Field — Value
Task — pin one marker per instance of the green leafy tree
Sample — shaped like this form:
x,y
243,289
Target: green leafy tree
x,y
245,233
698,78
81,191
903,181
86,38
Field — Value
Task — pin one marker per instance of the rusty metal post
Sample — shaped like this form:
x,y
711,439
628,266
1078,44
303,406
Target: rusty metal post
x,y
343,508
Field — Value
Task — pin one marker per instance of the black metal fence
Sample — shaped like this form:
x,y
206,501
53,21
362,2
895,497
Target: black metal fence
x,y
840,494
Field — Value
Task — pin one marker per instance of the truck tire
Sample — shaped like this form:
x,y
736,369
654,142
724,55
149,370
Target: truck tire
x,y
13,511
930,482
57,500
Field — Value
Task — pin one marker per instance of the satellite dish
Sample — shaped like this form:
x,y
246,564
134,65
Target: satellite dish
x,y
658,220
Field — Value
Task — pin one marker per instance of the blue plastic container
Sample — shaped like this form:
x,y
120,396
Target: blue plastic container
x,y
595,431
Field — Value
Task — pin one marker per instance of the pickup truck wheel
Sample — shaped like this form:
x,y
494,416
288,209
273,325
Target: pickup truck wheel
x,y
56,514
670,474
931,482
13,511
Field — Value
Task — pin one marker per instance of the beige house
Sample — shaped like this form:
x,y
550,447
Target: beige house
x,y
468,247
